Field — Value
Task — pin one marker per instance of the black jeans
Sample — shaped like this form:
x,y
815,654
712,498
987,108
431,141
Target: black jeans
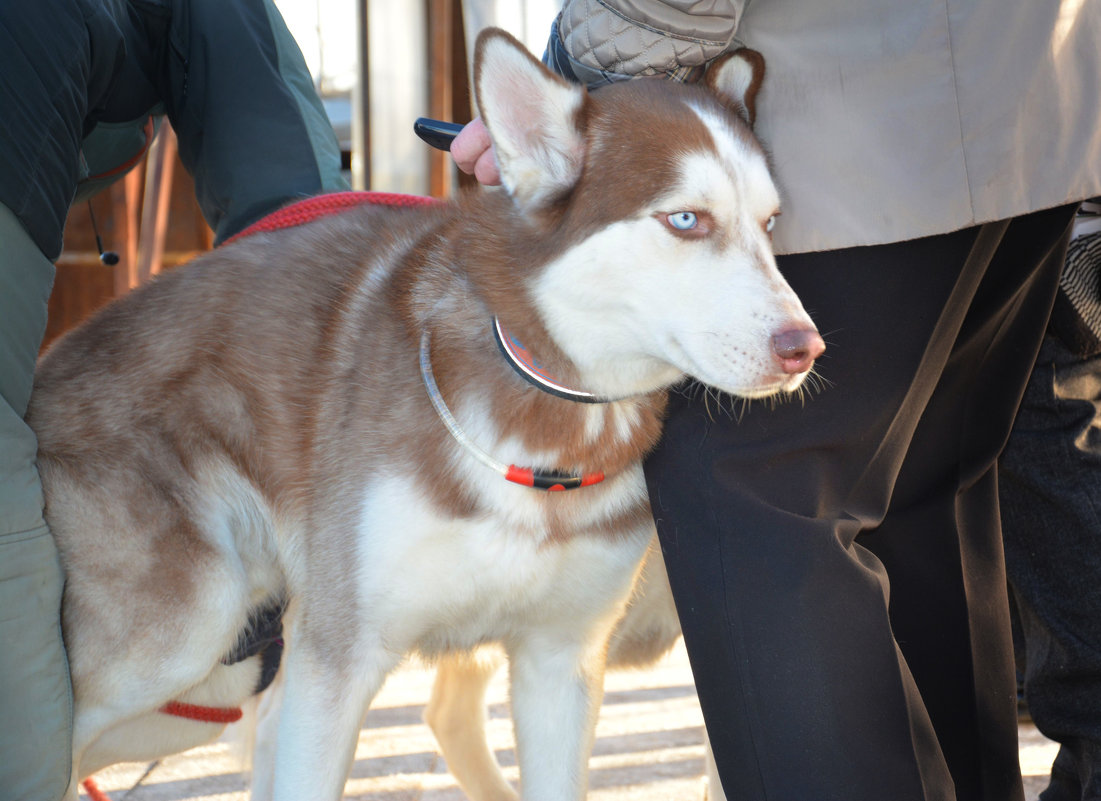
x,y
837,563
1050,476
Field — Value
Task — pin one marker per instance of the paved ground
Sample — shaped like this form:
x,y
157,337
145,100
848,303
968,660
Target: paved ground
x,y
649,748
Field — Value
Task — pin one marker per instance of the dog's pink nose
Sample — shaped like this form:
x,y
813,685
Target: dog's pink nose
x,y
797,349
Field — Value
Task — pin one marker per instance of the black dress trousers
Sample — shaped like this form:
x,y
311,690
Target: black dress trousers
x,y
836,560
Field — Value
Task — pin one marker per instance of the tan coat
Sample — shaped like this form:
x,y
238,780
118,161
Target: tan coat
x,y
889,120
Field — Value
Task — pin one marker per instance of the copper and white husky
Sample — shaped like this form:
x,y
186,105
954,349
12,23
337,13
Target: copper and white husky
x,y
334,419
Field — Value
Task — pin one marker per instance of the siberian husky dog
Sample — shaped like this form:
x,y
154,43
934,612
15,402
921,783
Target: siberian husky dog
x,y
411,430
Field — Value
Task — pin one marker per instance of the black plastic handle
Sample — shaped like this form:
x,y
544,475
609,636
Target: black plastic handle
x,y
437,133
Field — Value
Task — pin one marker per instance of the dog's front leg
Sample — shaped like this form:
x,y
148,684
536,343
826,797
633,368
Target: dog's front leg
x,y
326,692
264,719
557,686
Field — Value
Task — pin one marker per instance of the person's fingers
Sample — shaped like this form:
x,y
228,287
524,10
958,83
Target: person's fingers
x,y
472,151
470,144
485,170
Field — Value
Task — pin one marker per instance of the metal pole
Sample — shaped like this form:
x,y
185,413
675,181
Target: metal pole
x,y
361,96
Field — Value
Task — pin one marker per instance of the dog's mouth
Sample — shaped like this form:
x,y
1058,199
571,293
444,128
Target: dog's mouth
x,y
761,384
788,387
758,392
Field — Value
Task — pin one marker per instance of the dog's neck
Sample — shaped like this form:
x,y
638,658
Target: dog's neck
x,y
459,309
526,476
528,367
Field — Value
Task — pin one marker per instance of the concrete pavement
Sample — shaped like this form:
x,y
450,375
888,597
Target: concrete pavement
x,y
649,747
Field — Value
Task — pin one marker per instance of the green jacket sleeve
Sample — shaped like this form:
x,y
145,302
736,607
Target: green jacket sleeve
x,y
252,130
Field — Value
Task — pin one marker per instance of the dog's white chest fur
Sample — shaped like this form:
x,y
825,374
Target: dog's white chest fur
x,y
435,584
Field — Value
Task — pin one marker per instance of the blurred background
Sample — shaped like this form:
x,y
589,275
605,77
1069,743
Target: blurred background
x,y
410,58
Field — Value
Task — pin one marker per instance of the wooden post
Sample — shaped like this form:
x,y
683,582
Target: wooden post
x,y
155,204
441,22
126,203
449,92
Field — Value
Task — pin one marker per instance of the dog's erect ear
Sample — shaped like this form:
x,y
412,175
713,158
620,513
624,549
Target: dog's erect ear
x,y
736,77
533,118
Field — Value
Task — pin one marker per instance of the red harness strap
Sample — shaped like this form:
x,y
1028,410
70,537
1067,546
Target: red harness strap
x,y
311,208
203,714
93,791
298,213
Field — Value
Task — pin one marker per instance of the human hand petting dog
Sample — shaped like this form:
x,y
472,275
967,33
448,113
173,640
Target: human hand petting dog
x,y
472,151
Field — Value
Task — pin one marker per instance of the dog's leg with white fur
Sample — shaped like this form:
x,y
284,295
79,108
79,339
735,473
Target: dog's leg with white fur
x,y
325,698
262,715
557,687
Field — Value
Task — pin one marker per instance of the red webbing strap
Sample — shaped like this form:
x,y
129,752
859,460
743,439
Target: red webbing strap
x,y
93,791
203,714
311,208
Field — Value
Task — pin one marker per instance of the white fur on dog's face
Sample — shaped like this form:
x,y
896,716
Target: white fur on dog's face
x,y
638,282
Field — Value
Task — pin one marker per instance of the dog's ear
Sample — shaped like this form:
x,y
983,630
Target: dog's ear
x,y
736,77
533,118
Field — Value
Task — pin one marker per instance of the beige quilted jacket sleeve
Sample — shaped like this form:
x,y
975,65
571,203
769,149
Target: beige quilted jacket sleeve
x,y
644,37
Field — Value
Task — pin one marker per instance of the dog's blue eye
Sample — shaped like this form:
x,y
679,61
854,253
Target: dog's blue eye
x,y
683,220
770,224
